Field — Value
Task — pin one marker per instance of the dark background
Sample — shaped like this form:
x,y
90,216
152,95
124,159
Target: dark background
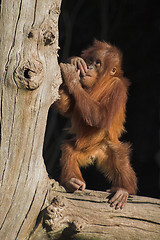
x,y
134,27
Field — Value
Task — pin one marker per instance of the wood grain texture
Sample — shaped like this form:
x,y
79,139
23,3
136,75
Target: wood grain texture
x,y
30,77
87,215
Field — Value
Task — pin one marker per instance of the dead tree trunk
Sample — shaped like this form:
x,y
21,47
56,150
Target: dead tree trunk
x,y
30,77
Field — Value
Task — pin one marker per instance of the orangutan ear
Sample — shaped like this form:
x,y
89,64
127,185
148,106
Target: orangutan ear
x,y
113,71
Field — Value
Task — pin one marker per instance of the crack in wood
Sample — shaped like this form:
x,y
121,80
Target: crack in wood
x,y
87,200
94,232
152,203
137,219
27,211
1,109
122,225
34,16
36,123
9,142
0,136
39,218
139,228
14,36
11,129
13,120
105,225
5,163
12,201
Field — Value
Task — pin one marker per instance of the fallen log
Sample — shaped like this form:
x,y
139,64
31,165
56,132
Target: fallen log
x,y
87,215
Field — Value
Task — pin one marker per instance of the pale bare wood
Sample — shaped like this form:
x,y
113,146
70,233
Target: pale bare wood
x,y
87,215
30,77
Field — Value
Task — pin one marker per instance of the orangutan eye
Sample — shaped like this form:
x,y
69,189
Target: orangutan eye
x,y
98,63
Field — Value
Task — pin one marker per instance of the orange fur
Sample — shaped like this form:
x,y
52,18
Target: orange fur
x,y
98,116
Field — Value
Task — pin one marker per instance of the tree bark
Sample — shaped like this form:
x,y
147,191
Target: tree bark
x,y
30,76
87,215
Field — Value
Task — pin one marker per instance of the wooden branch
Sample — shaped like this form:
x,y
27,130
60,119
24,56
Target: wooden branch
x,y
87,215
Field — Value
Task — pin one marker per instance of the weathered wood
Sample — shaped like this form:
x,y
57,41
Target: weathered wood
x,y
30,77
87,215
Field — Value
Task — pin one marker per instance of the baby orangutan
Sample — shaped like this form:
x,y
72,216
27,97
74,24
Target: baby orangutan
x,y
94,95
